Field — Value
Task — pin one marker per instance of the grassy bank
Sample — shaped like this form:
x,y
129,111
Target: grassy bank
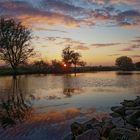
x,y
20,71
29,70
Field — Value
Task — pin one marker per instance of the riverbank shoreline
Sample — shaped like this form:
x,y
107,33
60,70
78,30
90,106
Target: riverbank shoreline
x,y
25,71
123,124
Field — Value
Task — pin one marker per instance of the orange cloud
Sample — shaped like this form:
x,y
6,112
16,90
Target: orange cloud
x,y
29,15
57,12
53,19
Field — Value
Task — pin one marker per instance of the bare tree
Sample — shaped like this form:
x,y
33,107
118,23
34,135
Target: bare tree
x,y
14,43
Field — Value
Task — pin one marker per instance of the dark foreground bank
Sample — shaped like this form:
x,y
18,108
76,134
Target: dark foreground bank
x,y
123,124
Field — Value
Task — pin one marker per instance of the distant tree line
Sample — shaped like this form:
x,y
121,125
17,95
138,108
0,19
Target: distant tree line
x,y
15,50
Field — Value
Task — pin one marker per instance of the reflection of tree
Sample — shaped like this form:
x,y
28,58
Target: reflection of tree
x,y
68,91
71,84
124,80
125,73
14,108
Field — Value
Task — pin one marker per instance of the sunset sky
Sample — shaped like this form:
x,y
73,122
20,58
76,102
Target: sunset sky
x,y
101,30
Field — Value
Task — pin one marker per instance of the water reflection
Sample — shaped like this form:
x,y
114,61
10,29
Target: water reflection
x,y
47,105
124,73
14,108
68,92
71,85
127,73
125,81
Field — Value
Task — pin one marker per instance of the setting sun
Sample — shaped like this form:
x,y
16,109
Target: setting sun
x,y
65,65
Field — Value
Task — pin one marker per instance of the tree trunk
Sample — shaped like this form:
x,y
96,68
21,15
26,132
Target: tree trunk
x,y
14,71
75,69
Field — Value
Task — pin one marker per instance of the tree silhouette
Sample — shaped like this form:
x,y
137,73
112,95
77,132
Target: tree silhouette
x,y
75,59
67,56
14,43
41,66
124,63
71,57
56,66
137,65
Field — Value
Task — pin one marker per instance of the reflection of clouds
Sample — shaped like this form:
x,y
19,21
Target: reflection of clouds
x,y
71,113
125,81
48,106
53,124
70,81
91,112
58,93
69,85
56,116
107,89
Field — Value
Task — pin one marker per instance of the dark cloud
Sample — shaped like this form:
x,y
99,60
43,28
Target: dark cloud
x,y
105,45
61,7
26,13
51,39
136,40
116,54
64,42
46,29
70,12
80,47
131,48
127,18
135,56
114,1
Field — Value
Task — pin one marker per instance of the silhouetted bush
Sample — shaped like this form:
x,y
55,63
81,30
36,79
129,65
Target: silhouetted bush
x,y
124,63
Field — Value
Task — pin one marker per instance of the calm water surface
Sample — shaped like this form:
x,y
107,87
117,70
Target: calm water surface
x,y
42,107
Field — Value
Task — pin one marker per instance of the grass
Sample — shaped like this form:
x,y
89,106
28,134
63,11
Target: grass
x,y
6,71
29,70
9,71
